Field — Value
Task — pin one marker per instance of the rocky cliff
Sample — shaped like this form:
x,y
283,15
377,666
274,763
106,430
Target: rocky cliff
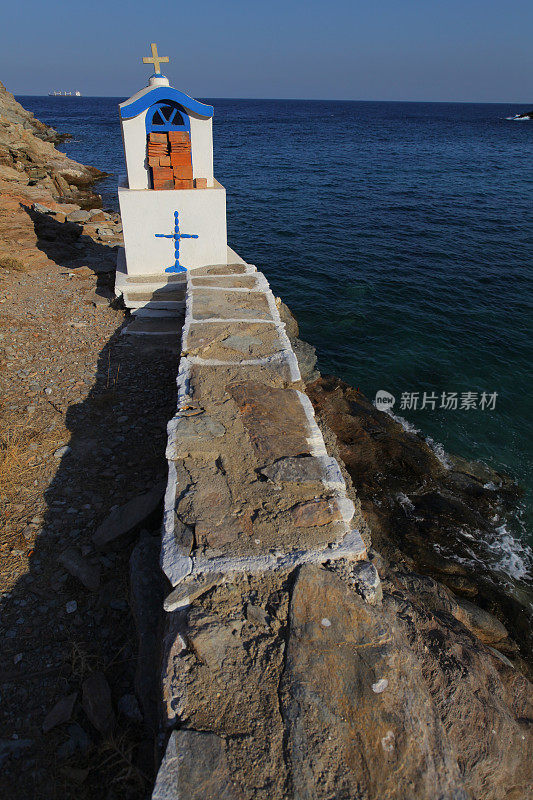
x,y
30,163
49,210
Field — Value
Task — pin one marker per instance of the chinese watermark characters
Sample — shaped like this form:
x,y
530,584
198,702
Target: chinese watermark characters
x,y
431,401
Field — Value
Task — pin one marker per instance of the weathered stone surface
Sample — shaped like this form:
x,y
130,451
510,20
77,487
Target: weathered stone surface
x,y
274,418
304,470
227,681
237,282
346,740
10,174
484,625
214,643
315,513
127,517
96,702
367,582
215,304
242,344
307,358
80,568
204,378
183,537
60,713
257,615
232,341
189,589
222,269
290,322
189,432
31,163
195,768
78,216
398,701
206,505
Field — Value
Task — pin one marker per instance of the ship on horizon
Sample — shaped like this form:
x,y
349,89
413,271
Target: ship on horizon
x,y
54,93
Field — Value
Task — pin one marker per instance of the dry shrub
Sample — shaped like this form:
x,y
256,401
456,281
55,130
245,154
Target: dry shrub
x,y
10,264
16,456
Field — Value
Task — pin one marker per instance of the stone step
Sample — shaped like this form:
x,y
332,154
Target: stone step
x,y
158,278
156,310
155,326
159,295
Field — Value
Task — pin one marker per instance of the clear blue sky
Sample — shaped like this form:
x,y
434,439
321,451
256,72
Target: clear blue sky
x,y
459,50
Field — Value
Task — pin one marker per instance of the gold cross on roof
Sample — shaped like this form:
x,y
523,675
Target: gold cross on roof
x,y
155,60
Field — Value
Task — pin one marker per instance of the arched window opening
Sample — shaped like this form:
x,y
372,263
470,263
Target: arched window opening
x,y
167,116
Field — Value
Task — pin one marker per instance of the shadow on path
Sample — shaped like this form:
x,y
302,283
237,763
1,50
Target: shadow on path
x,y
57,631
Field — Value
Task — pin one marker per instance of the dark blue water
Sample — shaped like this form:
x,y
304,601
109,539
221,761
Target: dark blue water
x,y
400,234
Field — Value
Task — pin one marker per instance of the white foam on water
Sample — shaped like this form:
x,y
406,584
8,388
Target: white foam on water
x,y
403,422
439,451
437,448
515,556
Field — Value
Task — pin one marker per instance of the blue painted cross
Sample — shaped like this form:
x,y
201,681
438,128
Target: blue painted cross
x,y
176,267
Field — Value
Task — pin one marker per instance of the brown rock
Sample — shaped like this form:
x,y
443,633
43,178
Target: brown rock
x,y
360,718
96,702
315,513
190,589
60,713
129,516
484,625
195,767
274,419
80,568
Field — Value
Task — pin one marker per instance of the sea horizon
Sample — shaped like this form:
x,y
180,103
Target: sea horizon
x,y
309,99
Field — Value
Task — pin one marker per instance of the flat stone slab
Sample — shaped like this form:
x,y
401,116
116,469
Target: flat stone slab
x,y
223,269
213,304
127,517
232,341
203,378
305,470
274,419
177,278
192,429
195,768
253,281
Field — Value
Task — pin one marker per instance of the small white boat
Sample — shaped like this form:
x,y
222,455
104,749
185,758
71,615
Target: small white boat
x,y
64,94
521,117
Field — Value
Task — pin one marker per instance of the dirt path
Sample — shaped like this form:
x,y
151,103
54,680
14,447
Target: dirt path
x,y
71,380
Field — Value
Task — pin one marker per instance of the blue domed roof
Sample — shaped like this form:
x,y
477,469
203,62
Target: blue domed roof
x,y
147,97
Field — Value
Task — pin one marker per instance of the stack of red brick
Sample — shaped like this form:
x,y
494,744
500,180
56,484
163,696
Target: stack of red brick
x,y
169,157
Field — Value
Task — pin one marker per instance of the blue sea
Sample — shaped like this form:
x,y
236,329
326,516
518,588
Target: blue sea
x,y
401,237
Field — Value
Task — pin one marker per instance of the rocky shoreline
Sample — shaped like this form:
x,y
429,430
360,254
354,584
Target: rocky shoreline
x,y
29,159
454,641
429,518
